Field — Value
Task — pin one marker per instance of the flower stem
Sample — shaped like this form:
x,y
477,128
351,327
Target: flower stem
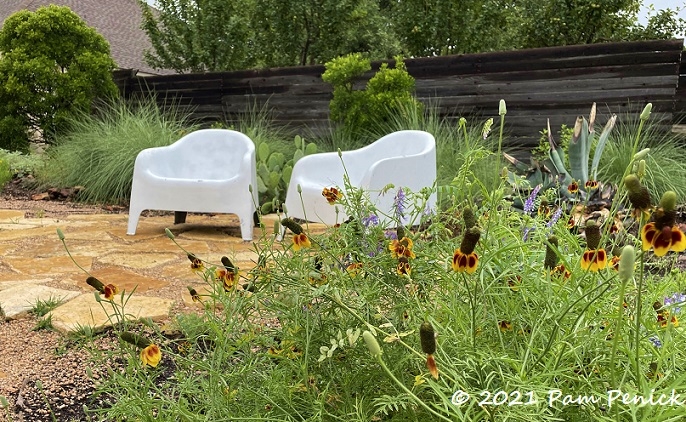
x,y
407,390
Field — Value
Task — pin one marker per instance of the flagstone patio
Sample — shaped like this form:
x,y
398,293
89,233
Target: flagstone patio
x,y
34,264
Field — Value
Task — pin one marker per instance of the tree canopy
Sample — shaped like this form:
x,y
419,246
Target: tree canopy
x,y
206,35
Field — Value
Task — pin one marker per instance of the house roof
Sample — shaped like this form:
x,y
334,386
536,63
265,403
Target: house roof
x,y
118,21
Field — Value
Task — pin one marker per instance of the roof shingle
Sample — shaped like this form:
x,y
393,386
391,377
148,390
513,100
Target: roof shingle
x,y
118,21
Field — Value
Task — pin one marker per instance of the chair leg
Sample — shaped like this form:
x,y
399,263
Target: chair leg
x,y
180,217
246,228
134,215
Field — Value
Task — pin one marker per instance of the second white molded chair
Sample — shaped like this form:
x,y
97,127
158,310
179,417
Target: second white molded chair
x,y
405,159
209,170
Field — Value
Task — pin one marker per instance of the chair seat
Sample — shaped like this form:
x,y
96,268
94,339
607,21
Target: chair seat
x,y
208,170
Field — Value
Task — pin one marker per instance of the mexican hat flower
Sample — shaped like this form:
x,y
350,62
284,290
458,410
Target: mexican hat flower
x,y
403,267
464,258
594,258
150,353
662,234
402,248
573,187
196,263
109,291
227,274
300,239
332,195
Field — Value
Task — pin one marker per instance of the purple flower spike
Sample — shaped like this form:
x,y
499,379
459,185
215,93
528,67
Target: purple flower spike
x,y
529,204
555,217
371,220
399,203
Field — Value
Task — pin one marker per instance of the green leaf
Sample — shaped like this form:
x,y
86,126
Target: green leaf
x,y
261,187
298,142
276,161
263,151
311,148
298,154
577,150
274,179
286,174
602,140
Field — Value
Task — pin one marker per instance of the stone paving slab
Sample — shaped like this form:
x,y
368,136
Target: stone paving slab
x,y
84,310
33,259
17,301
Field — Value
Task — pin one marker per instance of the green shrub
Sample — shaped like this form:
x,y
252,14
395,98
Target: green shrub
x,y
5,173
21,165
386,92
99,150
52,65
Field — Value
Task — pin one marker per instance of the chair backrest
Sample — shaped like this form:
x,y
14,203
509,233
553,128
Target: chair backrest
x,y
404,143
209,154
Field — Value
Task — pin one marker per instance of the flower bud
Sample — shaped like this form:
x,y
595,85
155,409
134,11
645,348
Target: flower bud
x,y
502,108
592,235
645,114
300,188
60,235
551,257
372,344
469,240
169,233
427,338
641,154
626,263
289,223
641,169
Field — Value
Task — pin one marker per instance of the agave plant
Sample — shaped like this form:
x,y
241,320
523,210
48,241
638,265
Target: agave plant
x,y
579,183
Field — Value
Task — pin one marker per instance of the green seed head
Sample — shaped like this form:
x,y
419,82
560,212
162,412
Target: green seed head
x,y
60,235
135,339
96,284
427,338
551,257
289,223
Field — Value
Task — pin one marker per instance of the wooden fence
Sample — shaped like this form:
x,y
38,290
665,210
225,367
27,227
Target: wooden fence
x,y
557,83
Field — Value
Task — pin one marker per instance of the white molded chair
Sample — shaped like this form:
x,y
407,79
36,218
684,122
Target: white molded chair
x,y
405,158
208,170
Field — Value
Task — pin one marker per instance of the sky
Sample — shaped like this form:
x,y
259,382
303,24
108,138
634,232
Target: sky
x,y
663,4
